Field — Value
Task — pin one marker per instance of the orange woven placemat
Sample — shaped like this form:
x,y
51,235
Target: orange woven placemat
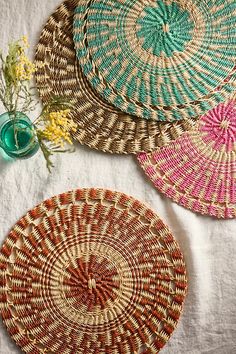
x,y
91,271
100,125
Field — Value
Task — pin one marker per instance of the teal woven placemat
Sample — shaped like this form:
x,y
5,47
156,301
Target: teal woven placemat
x,y
163,60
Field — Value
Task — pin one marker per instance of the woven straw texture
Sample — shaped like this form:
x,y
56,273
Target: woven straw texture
x,y
161,60
100,125
198,170
91,271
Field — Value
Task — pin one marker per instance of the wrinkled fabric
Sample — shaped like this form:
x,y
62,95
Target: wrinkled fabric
x,y
208,323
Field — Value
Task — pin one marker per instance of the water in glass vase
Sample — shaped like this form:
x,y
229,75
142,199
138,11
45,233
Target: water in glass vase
x,y
17,136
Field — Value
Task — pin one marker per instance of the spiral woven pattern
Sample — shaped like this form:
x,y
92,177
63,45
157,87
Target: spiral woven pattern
x,y
100,125
91,271
198,170
158,59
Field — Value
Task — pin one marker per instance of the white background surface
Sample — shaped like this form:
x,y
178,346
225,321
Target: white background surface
x,y
208,324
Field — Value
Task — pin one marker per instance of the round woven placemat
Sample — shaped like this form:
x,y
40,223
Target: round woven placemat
x,y
100,125
198,170
161,60
91,271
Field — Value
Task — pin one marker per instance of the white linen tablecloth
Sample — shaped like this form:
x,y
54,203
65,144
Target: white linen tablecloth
x,y
208,323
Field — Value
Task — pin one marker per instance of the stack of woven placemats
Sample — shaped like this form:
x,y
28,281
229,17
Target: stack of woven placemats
x,y
100,124
141,75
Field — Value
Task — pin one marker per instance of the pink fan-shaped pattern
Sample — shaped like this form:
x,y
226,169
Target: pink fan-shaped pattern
x,y
219,124
198,170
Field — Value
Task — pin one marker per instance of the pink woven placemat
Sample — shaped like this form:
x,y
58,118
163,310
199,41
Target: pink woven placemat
x,y
198,170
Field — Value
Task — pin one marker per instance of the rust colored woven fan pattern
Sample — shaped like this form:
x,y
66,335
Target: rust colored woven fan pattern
x,y
100,125
91,271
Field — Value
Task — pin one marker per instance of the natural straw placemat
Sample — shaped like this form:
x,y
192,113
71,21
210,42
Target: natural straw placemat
x,y
198,170
100,125
91,271
161,60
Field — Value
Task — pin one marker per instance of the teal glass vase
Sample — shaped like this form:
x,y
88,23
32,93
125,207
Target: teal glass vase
x,y
17,135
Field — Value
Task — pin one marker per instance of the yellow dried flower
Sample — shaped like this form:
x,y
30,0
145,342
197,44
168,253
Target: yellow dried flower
x,y
24,68
59,127
25,41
